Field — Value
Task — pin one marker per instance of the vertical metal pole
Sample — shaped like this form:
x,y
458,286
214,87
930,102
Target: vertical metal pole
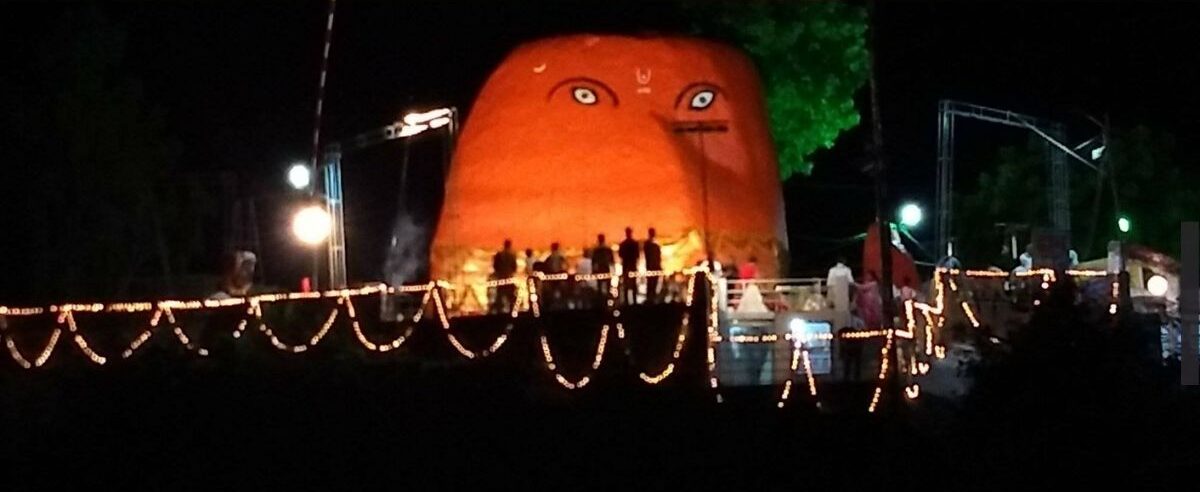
x,y
884,226
1060,184
945,163
336,246
704,184
316,140
1189,302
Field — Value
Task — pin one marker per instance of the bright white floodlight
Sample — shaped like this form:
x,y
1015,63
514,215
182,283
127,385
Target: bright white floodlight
x,y
312,225
911,215
1157,285
426,117
299,176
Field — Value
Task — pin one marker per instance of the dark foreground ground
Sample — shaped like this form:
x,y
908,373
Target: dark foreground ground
x,y
253,418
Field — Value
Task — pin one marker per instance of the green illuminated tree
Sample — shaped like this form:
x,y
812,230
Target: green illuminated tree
x,y
813,59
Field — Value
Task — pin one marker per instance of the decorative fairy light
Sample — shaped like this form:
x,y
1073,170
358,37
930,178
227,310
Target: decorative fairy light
x,y
812,382
713,333
329,320
185,341
381,347
241,326
145,336
913,391
275,341
767,338
462,349
675,353
596,361
970,314
787,385
883,372
534,305
860,335
164,309
7,311
1116,295
80,342
787,391
928,332
41,358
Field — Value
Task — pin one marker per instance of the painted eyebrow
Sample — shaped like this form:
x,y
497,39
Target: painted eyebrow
x,y
693,85
616,101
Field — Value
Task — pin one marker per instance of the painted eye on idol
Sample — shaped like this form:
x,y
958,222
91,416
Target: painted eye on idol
x,y
584,95
703,99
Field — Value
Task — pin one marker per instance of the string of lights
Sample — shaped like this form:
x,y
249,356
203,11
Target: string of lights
x,y
462,349
80,342
680,339
182,337
713,333
583,380
812,381
787,384
42,357
913,391
144,336
933,317
883,373
395,343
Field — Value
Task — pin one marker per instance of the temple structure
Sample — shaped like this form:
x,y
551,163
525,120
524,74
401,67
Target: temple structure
x,y
584,134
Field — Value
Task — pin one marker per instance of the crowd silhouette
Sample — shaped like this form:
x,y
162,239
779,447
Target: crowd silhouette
x,y
598,258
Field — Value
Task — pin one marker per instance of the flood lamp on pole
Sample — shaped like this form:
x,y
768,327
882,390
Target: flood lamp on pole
x,y
911,215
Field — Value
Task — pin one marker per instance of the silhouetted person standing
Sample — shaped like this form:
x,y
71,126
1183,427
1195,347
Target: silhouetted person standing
x,y
602,262
530,262
629,251
653,254
556,263
504,266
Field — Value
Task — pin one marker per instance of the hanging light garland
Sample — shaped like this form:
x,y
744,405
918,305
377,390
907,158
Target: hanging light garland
x,y
680,339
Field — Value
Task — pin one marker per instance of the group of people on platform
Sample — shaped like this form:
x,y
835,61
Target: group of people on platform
x,y
862,300
596,259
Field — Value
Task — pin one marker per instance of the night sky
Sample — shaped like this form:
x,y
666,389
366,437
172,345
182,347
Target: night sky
x,y
237,83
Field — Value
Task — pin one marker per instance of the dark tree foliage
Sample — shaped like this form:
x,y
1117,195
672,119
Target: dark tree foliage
x,y
813,59
95,204
1153,188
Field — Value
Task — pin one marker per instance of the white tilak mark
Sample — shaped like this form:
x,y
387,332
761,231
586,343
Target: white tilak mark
x,y
540,68
643,78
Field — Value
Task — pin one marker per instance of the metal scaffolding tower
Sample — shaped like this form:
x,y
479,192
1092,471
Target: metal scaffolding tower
x,y
1058,193
331,169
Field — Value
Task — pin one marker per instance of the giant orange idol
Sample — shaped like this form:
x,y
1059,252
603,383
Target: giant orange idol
x,y
578,135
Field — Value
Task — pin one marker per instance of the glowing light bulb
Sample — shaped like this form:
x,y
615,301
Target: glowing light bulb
x,y
312,225
911,215
299,176
1157,285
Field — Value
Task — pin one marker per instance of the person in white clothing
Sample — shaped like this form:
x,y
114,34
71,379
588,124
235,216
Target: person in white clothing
x,y
751,301
838,282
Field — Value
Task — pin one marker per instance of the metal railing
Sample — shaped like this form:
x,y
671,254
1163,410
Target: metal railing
x,y
778,295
